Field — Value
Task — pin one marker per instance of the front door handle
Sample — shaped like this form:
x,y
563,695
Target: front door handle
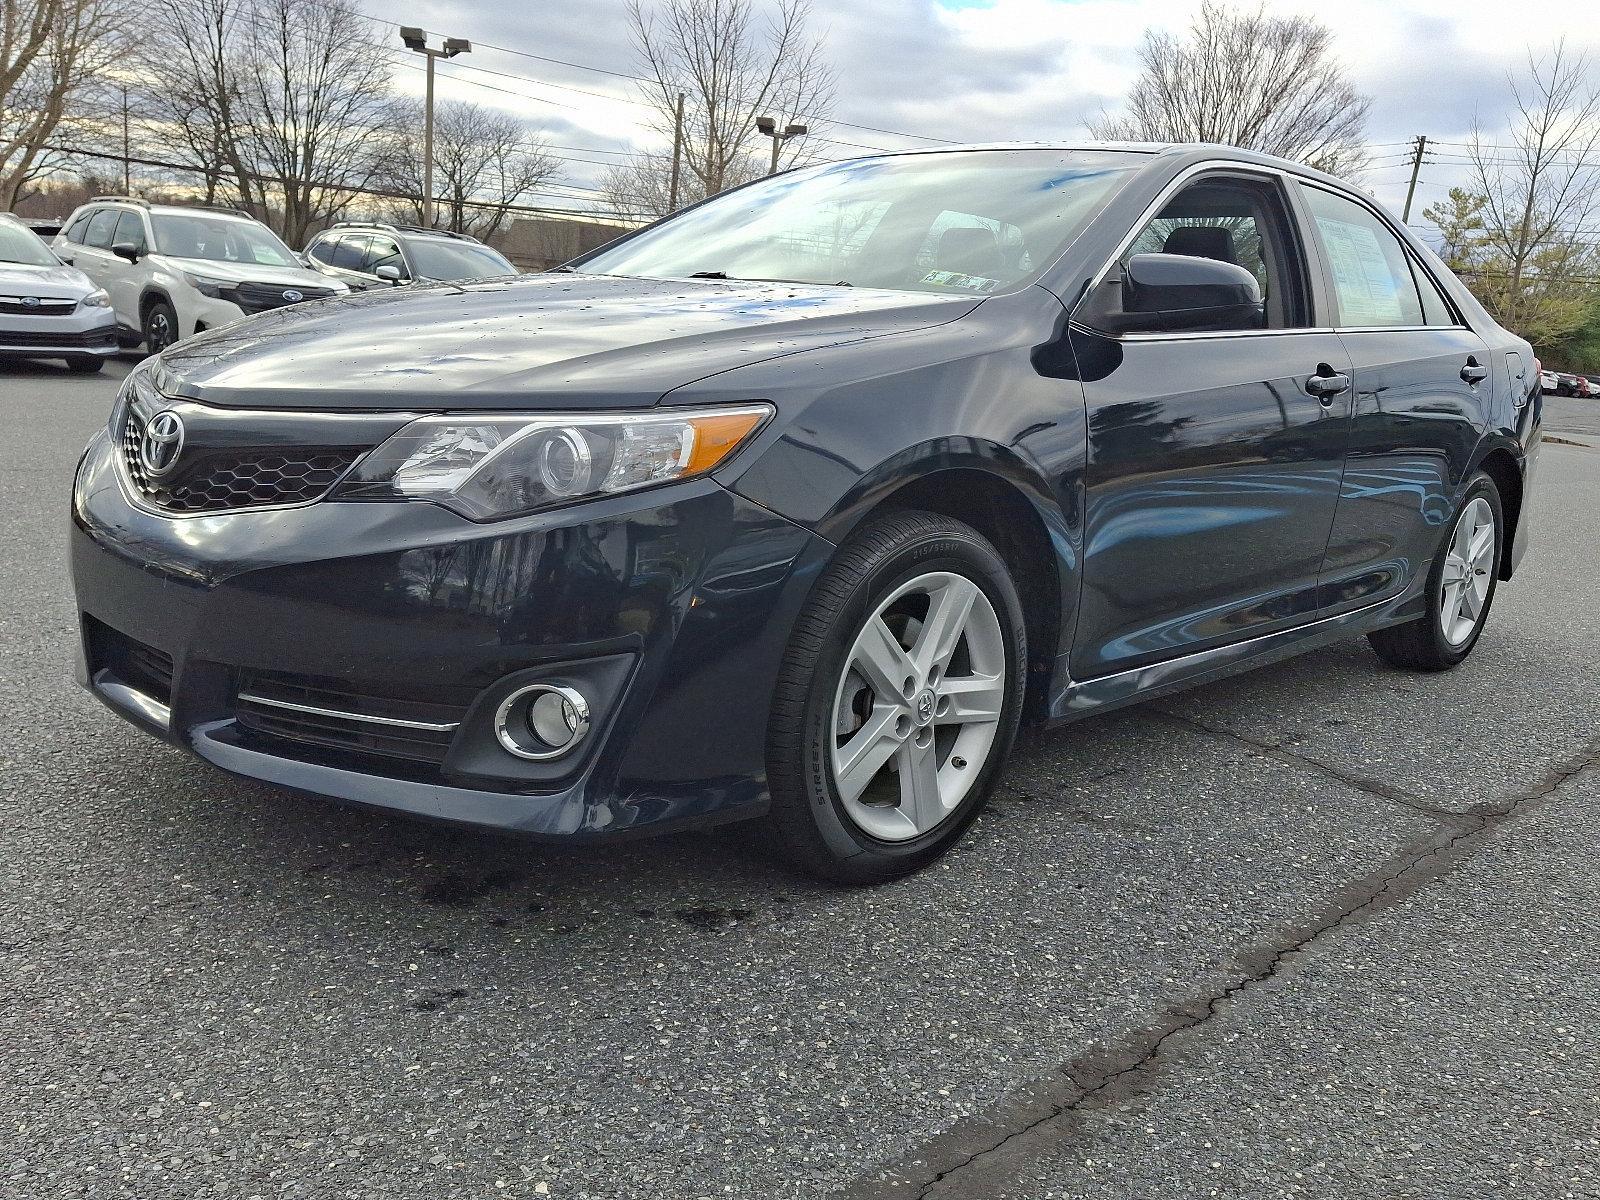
x,y
1473,373
1327,383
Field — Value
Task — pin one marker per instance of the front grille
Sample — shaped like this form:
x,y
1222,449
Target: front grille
x,y
262,297
64,341
218,480
136,664
13,306
307,711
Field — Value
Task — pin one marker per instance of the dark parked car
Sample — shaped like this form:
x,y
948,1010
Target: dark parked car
x,y
795,505
363,255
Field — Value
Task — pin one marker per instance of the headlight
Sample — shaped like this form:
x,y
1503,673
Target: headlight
x,y
96,299
215,288
496,466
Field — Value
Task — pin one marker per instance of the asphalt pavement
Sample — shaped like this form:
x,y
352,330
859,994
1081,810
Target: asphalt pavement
x,y
1327,929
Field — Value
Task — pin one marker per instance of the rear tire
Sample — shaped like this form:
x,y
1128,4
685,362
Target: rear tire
x,y
841,729
1461,587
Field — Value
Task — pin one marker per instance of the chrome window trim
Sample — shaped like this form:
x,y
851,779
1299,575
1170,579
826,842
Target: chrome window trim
x,y
1234,166
340,714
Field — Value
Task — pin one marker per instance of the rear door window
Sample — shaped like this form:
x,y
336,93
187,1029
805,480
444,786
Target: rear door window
x,y
350,251
1372,281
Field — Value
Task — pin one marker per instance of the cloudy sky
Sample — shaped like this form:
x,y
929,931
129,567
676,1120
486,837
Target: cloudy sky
x,y
996,70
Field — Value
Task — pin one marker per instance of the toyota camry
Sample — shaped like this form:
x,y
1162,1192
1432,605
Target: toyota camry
x,y
795,506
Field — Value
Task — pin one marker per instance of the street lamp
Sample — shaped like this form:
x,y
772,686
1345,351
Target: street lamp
x,y
417,39
770,127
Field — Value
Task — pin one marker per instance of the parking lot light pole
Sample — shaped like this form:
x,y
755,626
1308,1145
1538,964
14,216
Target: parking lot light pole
x,y
770,127
417,40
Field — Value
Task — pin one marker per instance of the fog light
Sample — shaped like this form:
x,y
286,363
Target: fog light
x,y
542,721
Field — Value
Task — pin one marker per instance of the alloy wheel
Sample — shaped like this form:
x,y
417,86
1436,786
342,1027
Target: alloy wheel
x,y
1468,571
917,707
158,332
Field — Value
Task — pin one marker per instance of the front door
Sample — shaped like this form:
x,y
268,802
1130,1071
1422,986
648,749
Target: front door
x,y
1214,459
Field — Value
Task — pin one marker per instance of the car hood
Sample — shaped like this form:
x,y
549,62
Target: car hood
x,y
555,341
57,282
233,272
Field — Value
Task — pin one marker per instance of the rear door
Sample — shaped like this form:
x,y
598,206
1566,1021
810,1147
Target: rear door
x,y
93,255
1423,389
1213,470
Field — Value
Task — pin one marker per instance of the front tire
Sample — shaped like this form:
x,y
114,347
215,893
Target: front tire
x,y
85,366
160,327
1461,587
898,699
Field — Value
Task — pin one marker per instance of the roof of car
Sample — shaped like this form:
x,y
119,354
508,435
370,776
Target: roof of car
x,y
208,210
1165,151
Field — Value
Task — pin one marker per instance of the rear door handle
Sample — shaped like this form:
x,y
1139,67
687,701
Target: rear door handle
x,y
1473,373
1327,383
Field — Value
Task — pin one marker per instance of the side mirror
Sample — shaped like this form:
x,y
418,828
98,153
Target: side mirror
x,y
128,250
1163,293
388,271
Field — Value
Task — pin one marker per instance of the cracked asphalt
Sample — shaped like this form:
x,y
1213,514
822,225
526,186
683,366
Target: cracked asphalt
x,y
1326,929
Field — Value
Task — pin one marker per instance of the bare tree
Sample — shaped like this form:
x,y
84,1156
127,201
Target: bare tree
x,y
484,161
319,118
193,107
1245,78
731,68
1540,196
53,54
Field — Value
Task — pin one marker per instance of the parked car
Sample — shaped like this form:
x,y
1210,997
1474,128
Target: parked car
x,y
48,309
1548,382
1588,388
1566,385
794,505
368,255
176,270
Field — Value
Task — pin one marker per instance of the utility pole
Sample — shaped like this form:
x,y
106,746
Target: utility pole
x,y
417,39
1416,166
770,127
677,156
127,172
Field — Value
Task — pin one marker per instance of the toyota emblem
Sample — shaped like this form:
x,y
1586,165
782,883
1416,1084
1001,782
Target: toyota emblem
x,y
162,442
294,297
30,302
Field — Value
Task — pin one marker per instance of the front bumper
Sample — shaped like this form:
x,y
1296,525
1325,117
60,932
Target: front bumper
x,y
207,312
83,333
670,607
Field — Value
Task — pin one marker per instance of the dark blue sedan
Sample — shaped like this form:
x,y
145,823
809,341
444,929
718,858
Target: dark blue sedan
x,y
796,505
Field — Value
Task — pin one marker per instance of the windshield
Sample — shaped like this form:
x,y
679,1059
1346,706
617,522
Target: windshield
x,y
438,259
21,245
218,239
974,221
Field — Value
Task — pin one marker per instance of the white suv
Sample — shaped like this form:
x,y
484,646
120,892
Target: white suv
x,y
174,270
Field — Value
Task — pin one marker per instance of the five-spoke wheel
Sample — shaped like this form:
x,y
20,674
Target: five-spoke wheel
x,y
918,705
900,692
1460,588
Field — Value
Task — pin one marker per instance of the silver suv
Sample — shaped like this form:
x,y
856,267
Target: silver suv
x,y
370,254
175,270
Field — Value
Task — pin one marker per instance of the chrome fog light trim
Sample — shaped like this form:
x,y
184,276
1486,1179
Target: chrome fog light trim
x,y
542,721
